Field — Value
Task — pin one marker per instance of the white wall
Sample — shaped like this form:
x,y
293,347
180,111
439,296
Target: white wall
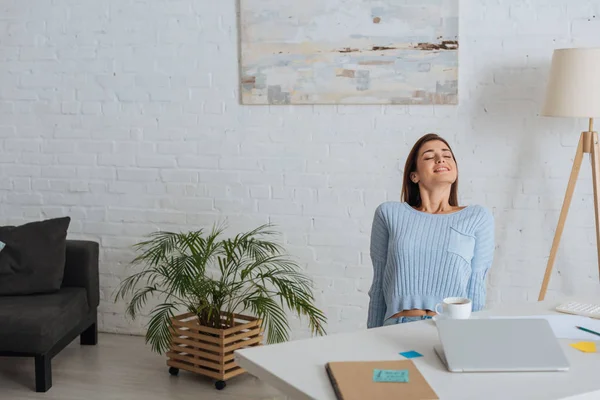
x,y
124,115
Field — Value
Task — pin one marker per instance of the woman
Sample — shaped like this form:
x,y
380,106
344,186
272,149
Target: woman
x,y
427,247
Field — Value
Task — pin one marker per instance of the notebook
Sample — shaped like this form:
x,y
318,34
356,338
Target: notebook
x,y
353,380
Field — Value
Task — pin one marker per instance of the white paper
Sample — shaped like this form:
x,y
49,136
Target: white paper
x,y
564,326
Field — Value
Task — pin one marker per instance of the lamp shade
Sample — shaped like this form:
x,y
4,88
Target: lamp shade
x,y
574,85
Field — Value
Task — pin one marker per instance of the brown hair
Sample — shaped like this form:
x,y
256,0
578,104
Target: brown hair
x,y
410,190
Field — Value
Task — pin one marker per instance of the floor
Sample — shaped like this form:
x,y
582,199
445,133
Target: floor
x,y
120,367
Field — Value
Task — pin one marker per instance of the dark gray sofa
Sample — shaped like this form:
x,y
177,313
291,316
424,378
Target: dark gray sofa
x,y
41,325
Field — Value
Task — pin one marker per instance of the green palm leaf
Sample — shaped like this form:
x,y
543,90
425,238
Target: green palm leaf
x,y
159,327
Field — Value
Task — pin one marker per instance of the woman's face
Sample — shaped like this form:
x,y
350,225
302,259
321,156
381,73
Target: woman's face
x,y
435,165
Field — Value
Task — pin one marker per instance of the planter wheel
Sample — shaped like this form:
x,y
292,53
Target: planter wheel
x,y
220,385
174,371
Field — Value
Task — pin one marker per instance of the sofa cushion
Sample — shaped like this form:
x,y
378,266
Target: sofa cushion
x,y
33,259
34,323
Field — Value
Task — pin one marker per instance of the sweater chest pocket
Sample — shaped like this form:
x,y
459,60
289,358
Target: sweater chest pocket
x,y
461,244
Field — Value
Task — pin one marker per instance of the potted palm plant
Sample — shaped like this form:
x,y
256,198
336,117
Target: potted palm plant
x,y
217,282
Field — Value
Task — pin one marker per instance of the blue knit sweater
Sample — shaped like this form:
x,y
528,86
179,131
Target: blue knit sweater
x,y
421,258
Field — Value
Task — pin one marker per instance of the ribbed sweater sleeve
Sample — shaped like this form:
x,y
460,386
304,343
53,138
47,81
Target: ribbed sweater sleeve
x,y
379,243
483,257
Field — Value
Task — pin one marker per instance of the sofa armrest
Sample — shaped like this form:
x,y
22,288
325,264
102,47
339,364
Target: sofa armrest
x,y
81,269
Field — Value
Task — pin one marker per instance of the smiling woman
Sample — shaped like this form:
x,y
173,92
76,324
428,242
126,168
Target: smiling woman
x,y
431,176
427,247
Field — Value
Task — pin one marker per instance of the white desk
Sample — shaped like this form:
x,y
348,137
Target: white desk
x,y
297,368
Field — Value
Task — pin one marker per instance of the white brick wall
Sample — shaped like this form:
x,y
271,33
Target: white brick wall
x,y
125,115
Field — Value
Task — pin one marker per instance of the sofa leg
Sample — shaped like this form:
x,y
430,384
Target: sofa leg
x,y
43,373
90,335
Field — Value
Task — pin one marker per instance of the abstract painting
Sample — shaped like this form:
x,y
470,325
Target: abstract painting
x,y
349,51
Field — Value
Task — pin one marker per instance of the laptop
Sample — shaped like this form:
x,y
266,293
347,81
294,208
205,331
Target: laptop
x,y
496,345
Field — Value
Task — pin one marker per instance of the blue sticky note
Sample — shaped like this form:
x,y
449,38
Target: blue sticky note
x,y
411,354
2,244
390,375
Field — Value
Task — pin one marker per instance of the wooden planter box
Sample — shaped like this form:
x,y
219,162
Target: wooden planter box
x,y
209,351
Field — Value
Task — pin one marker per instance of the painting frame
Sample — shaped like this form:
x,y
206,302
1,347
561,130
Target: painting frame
x,y
378,52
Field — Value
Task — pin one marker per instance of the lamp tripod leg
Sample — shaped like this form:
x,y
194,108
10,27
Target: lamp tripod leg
x,y
563,215
595,178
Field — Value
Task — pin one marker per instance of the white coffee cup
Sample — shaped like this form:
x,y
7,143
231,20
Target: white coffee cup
x,y
454,308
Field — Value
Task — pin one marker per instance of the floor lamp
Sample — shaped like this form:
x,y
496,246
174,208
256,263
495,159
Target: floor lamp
x,y
574,91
